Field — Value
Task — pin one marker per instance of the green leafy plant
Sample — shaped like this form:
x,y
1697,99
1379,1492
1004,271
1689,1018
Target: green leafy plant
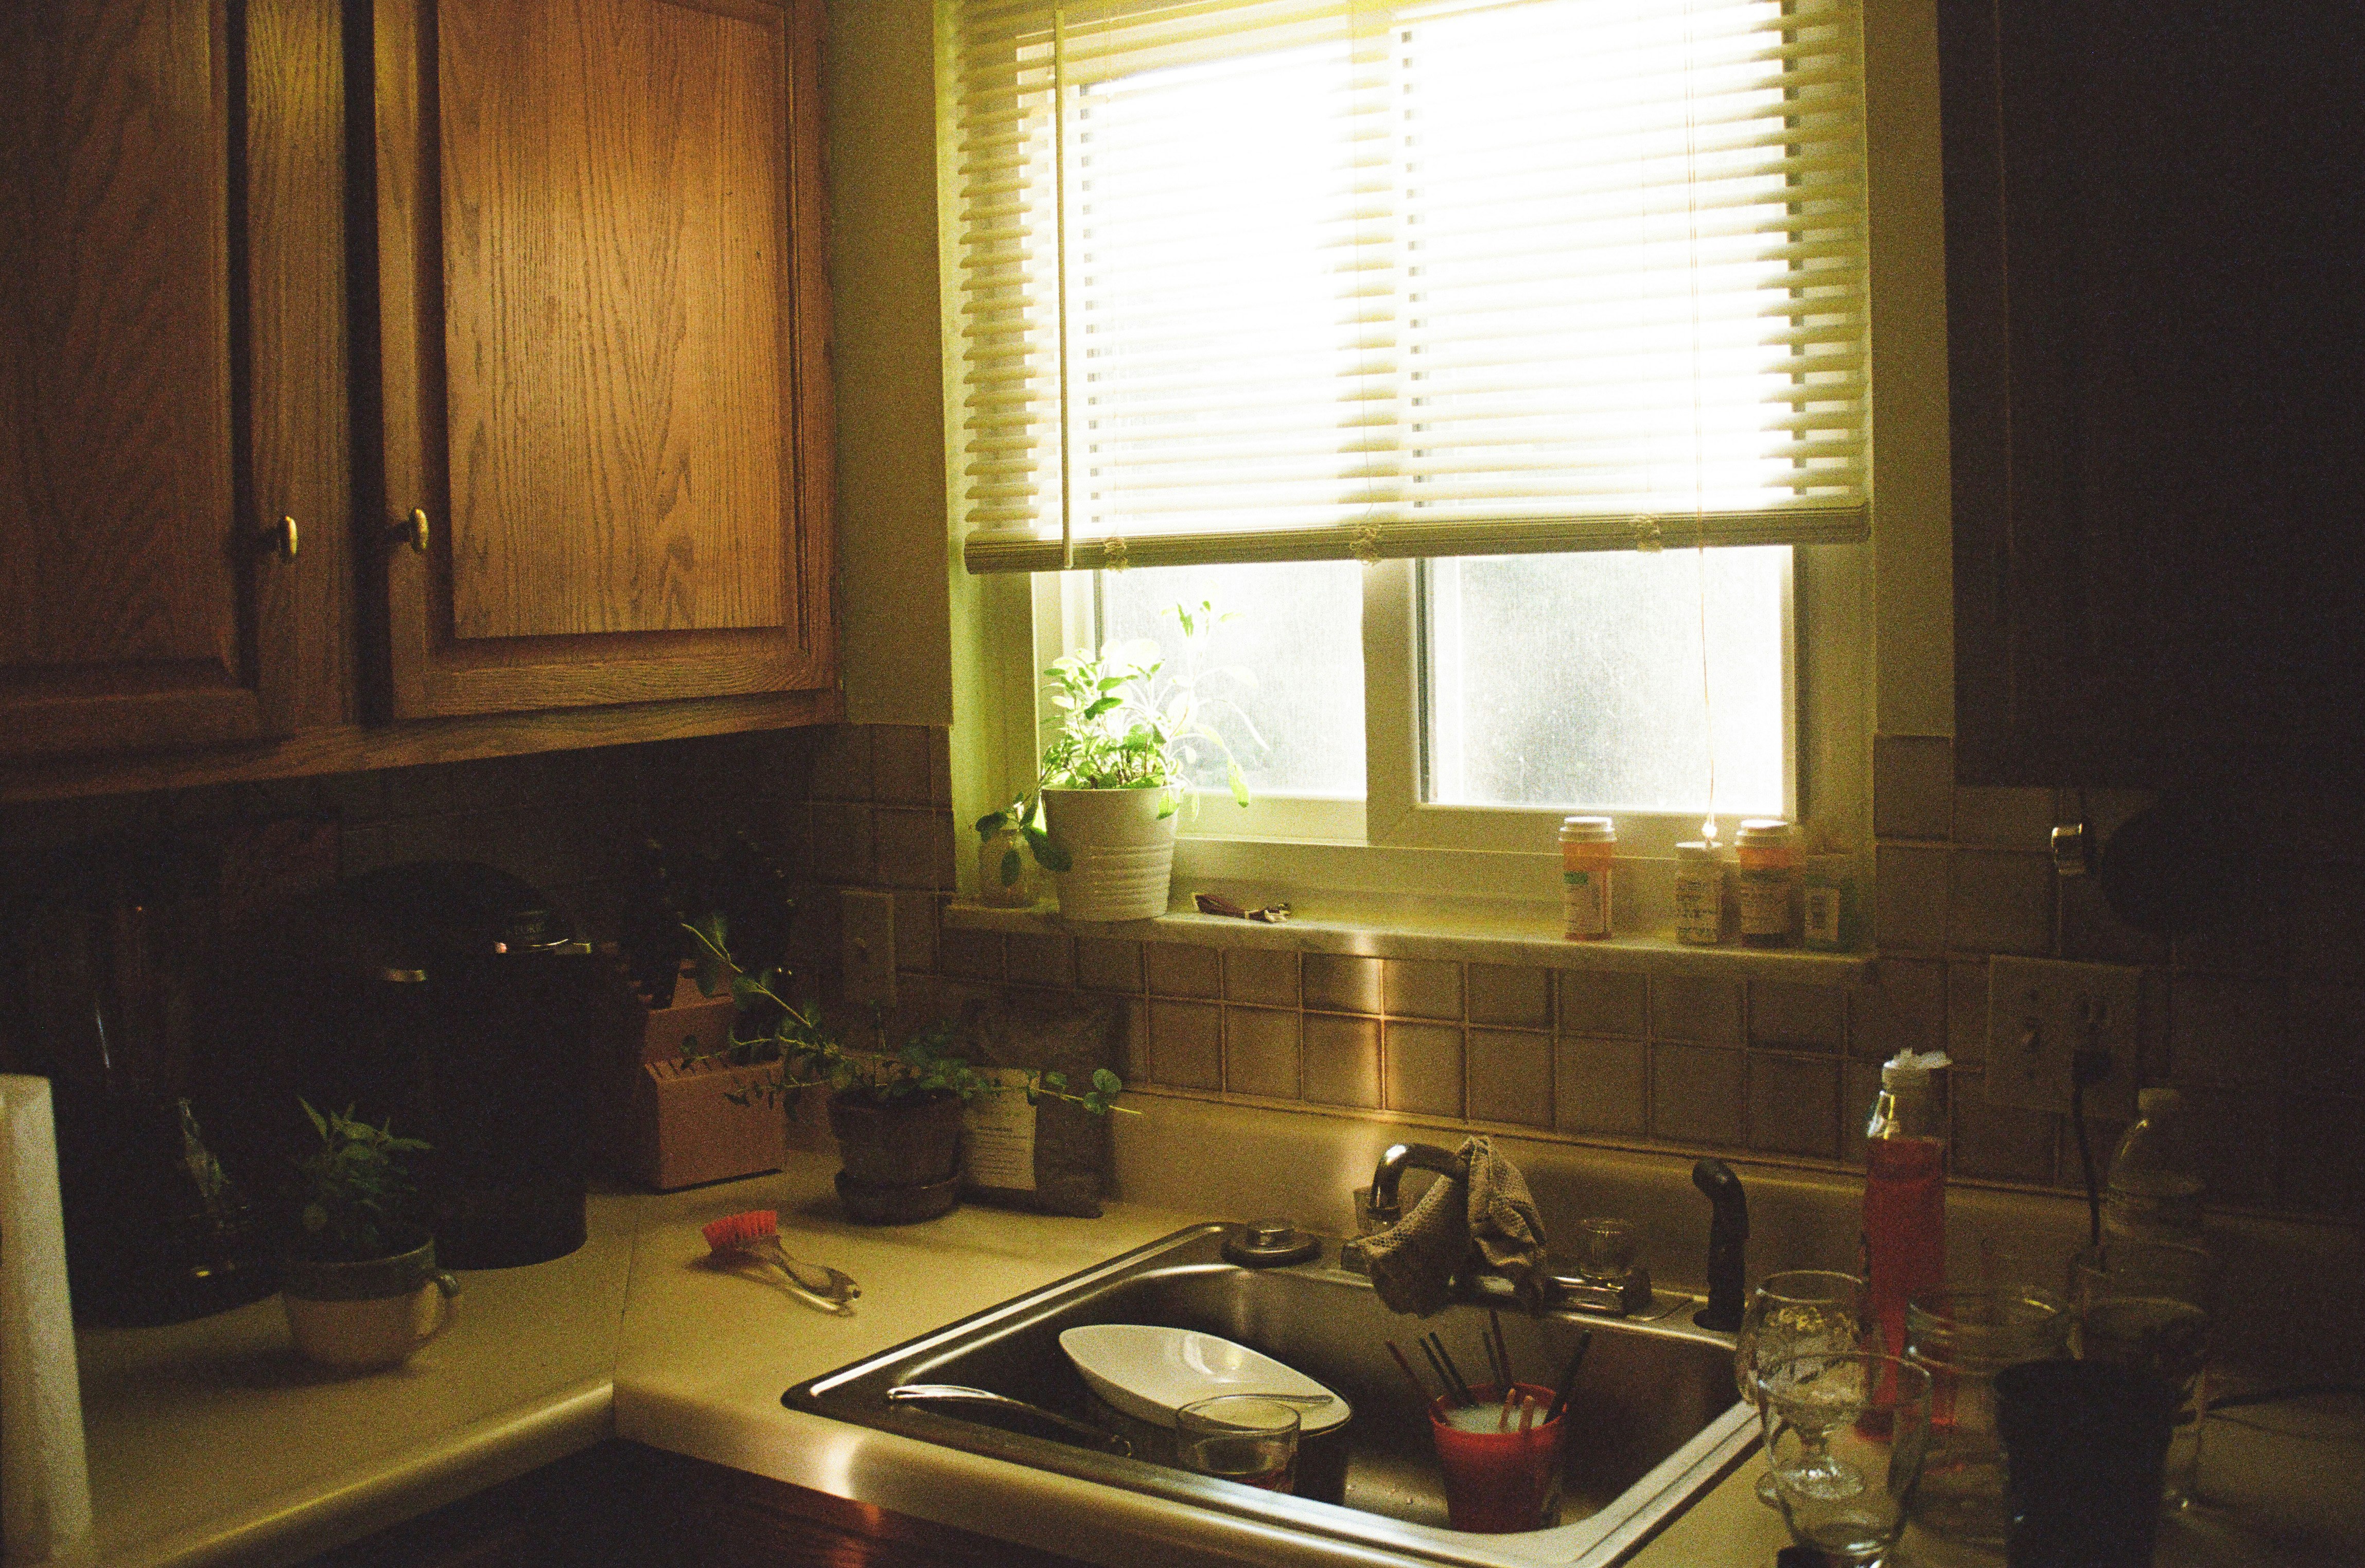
x,y
1127,721
356,1191
806,1054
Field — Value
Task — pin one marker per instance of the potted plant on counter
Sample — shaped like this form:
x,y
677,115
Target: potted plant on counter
x,y
897,1115
360,1284
1129,735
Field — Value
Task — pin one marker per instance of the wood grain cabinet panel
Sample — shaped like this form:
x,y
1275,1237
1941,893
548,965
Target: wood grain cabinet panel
x,y
139,606
2156,333
602,303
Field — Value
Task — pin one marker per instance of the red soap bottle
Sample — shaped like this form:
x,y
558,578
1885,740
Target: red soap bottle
x,y
1905,1191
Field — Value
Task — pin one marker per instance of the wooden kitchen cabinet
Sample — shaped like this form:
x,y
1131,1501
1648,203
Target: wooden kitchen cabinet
x,y
2155,285
601,303
163,406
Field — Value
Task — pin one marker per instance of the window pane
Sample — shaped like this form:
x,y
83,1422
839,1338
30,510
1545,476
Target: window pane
x,y
1576,680
1292,664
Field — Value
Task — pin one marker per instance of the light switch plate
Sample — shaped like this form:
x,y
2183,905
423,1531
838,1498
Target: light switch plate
x,y
2040,1012
867,921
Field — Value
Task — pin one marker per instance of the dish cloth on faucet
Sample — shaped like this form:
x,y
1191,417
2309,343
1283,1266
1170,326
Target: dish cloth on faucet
x,y
1484,1220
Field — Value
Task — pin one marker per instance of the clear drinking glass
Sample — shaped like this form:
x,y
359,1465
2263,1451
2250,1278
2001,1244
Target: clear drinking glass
x,y
1845,1435
1245,1438
1798,1309
2147,1305
1963,1338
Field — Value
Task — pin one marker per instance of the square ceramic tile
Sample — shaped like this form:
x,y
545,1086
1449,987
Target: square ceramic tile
x,y
1510,994
1859,1086
2325,899
1913,786
842,843
2004,819
1108,963
1337,984
1421,1068
1904,1008
2000,902
916,930
2092,934
1696,1095
2320,1167
899,765
840,763
1797,1017
2236,1149
1182,968
2224,1031
1266,976
1910,898
1600,1086
2001,1142
915,847
1134,1048
940,766
970,955
1261,1052
1794,1104
1036,958
1421,988
1510,1076
1966,1011
1696,1008
1186,1044
2327,1036
2253,938
1597,1001
1341,1060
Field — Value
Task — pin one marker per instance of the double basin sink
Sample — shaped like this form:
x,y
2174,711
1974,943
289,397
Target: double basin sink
x,y
1654,1420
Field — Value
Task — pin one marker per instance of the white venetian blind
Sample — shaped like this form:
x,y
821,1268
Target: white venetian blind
x,y
1254,280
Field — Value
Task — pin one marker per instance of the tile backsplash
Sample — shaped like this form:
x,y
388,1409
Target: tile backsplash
x,y
2262,1027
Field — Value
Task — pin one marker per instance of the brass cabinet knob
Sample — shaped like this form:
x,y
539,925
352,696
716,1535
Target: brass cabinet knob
x,y
280,539
412,530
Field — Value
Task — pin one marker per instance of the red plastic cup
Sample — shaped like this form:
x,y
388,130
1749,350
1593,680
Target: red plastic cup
x,y
1496,1483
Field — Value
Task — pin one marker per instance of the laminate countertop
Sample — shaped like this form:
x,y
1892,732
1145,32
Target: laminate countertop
x,y
211,1443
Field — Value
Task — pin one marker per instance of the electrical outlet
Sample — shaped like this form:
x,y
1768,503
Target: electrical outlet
x,y
2040,1013
867,921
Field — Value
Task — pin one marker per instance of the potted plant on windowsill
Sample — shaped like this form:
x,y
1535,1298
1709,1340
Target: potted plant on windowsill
x,y
1129,735
896,1115
360,1284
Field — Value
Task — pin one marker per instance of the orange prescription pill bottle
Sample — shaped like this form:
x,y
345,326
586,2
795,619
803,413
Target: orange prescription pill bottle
x,y
1588,848
1767,882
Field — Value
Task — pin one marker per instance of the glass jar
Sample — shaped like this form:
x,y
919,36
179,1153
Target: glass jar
x,y
1964,1337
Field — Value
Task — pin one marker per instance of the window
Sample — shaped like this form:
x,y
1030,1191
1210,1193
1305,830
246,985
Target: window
x,y
1401,327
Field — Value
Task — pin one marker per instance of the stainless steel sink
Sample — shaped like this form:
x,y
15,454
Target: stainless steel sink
x,y
1653,1419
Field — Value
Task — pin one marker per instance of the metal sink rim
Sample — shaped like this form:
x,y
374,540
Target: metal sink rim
x,y
1604,1538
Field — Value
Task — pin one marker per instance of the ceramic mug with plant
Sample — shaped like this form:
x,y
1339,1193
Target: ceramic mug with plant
x,y
360,1284
896,1115
1130,732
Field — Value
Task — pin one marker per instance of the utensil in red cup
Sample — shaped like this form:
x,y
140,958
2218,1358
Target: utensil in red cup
x,y
1497,1481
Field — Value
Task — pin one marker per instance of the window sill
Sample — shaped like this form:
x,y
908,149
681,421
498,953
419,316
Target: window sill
x,y
1462,930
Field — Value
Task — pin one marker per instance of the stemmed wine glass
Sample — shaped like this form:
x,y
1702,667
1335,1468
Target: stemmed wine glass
x,y
1792,1313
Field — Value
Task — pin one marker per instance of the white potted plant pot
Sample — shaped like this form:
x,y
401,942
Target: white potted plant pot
x,y
1120,852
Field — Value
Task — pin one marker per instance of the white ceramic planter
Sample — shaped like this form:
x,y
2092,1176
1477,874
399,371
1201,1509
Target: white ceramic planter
x,y
1120,852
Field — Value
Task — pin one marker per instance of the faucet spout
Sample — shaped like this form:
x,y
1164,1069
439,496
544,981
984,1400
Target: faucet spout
x,y
1387,1209
1727,1235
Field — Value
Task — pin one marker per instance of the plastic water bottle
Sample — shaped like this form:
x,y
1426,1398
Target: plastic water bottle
x,y
2153,1193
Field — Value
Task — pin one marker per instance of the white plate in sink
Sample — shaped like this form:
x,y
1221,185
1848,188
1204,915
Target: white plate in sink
x,y
1150,1372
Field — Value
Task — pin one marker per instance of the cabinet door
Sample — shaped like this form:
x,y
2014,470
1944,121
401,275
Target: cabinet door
x,y
140,605
601,256
2155,268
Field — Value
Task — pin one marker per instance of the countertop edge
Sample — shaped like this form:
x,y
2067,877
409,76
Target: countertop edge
x,y
443,1469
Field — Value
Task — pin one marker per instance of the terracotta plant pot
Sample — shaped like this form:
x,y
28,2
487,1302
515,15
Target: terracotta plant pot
x,y
1120,852
368,1316
901,1161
